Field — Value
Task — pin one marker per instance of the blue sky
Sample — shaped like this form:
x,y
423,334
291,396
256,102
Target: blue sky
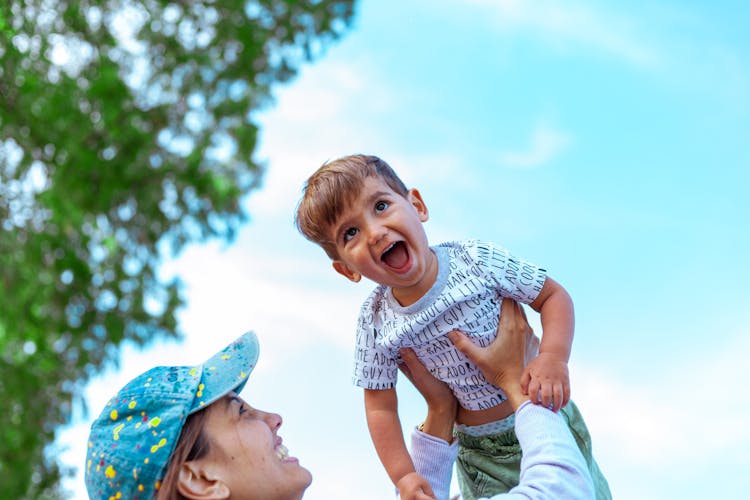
x,y
606,141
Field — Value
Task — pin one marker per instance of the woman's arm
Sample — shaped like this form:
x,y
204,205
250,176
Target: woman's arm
x,y
551,467
433,449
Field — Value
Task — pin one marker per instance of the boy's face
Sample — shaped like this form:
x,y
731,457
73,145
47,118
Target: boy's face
x,y
380,236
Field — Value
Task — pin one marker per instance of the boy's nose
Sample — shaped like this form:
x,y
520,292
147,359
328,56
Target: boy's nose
x,y
376,233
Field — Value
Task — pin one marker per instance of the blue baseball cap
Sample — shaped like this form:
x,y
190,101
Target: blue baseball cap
x,y
132,441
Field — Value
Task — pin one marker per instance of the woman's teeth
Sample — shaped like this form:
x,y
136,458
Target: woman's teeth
x,y
281,452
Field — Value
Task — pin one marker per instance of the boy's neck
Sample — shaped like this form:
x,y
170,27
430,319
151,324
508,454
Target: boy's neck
x,y
406,296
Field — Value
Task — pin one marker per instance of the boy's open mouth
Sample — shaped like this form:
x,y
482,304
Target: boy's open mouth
x,y
396,256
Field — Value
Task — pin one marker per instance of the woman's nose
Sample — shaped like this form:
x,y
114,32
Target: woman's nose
x,y
272,420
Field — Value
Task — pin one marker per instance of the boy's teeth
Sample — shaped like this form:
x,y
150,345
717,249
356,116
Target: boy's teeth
x,y
388,249
282,452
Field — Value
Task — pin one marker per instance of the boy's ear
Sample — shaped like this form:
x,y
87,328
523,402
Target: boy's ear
x,y
346,271
418,203
195,482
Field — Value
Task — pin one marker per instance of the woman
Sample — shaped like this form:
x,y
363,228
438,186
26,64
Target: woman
x,y
191,418
183,432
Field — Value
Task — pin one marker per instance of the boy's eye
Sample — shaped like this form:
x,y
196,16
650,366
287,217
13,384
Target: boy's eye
x,y
380,206
350,233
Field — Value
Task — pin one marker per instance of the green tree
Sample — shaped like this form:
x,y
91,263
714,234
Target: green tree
x,y
126,132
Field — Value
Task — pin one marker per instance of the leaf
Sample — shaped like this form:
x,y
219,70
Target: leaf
x,y
115,189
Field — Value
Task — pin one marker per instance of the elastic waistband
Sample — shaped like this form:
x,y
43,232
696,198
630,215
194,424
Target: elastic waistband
x,y
496,427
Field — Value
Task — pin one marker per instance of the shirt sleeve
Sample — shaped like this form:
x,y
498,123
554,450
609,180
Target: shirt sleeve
x,y
513,277
433,459
552,466
375,367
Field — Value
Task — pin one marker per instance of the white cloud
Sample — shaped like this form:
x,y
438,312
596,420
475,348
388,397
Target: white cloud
x,y
690,415
560,23
544,145
327,112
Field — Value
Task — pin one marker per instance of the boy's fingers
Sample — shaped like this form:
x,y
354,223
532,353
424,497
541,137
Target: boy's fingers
x,y
547,395
558,395
566,395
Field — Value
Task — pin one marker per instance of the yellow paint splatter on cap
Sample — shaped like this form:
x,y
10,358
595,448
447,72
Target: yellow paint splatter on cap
x,y
116,432
156,447
110,472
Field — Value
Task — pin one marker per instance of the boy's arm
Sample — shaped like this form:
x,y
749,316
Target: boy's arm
x,y
546,378
381,408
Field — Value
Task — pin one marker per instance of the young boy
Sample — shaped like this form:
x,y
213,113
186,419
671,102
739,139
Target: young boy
x,y
370,225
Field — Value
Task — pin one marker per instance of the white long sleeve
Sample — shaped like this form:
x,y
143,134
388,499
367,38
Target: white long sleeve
x,y
433,459
551,465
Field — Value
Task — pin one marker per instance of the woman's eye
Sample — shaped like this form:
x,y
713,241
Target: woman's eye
x,y
350,233
380,206
242,409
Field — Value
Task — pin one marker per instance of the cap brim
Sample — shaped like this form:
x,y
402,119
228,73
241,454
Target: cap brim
x,y
226,371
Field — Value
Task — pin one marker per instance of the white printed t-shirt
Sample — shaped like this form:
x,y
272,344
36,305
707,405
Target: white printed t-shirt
x,y
473,278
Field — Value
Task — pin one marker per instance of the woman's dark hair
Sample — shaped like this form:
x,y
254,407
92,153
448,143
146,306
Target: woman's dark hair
x,y
192,445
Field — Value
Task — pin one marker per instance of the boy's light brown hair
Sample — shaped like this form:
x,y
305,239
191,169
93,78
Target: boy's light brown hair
x,y
332,188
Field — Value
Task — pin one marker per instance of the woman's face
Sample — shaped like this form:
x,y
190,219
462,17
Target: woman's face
x,y
245,447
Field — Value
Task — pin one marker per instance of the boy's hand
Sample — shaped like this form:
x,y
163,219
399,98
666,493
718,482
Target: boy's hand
x,y
414,487
546,381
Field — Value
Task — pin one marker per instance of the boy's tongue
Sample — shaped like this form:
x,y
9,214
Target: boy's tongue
x,y
396,257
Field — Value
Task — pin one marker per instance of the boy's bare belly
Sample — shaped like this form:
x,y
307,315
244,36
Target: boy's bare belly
x,y
479,417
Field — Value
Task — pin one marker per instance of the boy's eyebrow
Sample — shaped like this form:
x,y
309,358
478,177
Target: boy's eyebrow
x,y
336,227
378,194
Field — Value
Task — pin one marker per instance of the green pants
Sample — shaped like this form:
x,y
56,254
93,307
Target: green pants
x,y
489,465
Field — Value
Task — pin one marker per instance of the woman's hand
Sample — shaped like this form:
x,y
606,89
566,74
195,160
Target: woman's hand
x,y
441,403
502,362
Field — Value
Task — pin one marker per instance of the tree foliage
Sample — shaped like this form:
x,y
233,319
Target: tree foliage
x,y
126,130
